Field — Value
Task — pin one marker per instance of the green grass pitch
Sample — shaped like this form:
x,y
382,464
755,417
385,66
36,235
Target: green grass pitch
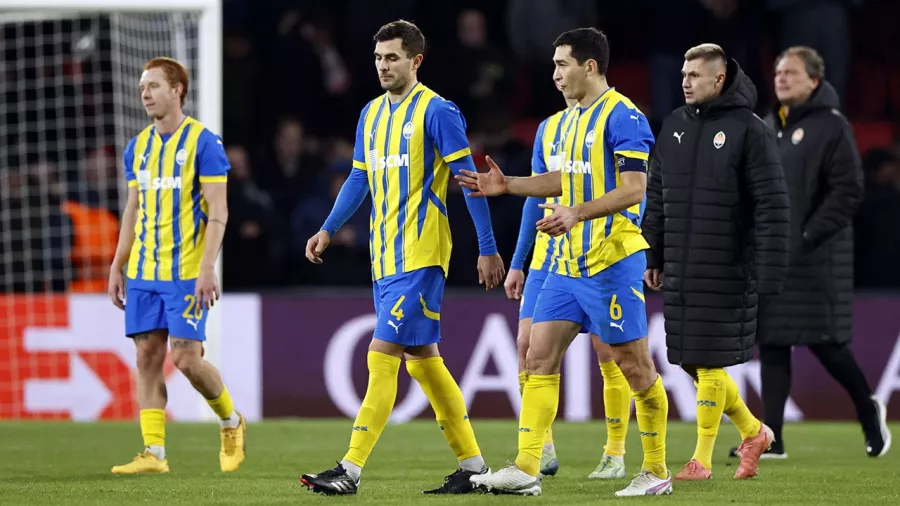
x,y
68,463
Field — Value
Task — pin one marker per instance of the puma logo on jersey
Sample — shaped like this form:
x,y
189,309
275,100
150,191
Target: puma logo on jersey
x,y
620,325
677,136
395,325
192,323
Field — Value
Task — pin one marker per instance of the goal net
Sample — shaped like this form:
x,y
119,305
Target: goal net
x,y
69,102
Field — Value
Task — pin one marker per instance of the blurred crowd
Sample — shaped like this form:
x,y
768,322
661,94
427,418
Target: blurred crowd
x,y
297,72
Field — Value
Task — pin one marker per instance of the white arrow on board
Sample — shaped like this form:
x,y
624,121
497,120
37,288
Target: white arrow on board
x,y
83,394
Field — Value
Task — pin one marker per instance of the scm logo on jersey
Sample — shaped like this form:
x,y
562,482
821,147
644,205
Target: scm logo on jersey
x,y
577,167
393,161
166,183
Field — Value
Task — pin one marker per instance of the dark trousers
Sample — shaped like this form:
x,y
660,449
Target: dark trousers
x,y
837,359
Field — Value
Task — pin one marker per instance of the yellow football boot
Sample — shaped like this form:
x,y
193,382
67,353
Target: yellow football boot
x,y
234,445
144,463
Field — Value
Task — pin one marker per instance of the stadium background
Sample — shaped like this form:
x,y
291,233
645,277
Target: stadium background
x,y
294,76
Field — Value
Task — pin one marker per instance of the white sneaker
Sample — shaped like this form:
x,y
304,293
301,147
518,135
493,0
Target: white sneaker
x,y
610,468
646,483
509,480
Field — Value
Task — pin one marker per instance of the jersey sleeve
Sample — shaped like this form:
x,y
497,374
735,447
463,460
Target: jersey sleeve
x,y
128,160
628,133
359,144
447,127
212,162
538,164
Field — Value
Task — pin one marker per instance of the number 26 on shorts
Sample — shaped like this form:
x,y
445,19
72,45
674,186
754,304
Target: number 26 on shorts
x,y
193,310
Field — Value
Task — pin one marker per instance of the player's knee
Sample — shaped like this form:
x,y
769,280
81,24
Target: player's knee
x,y
150,356
522,342
538,361
187,361
604,351
637,372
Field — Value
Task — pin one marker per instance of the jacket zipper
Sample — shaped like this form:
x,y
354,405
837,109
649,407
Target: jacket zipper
x,y
690,221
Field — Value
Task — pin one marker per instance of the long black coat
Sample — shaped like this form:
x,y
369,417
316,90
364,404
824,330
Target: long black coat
x,y
718,224
825,182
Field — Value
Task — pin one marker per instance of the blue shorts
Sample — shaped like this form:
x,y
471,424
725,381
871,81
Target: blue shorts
x,y
164,305
610,304
408,307
533,284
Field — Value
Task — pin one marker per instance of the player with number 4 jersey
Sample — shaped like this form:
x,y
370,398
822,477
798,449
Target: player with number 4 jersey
x,y
408,142
172,229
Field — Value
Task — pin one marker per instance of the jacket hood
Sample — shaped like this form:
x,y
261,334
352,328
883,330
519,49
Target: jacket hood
x,y
823,97
739,93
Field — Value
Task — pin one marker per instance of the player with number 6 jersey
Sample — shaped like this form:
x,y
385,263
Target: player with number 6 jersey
x,y
595,278
548,155
172,229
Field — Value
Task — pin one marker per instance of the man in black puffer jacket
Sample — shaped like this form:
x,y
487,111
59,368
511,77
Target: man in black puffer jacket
x,y
717,221
815,309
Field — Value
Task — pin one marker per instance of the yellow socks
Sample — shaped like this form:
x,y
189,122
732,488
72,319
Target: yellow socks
x,y
710,406
153,428
651,408
376,406
540,400
523,376
449,407
617,404
222,406
738,412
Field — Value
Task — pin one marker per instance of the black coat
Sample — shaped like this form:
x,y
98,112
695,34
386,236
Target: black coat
x,y
717,220
825,182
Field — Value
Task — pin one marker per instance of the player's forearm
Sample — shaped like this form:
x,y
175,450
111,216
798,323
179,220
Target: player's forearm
x,y
542,185
531,213
215,234
126,237
481,216
351,196
613,202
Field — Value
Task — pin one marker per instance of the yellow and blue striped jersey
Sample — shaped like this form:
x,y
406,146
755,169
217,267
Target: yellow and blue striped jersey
x,y
546,158
170,228
405,150
600,142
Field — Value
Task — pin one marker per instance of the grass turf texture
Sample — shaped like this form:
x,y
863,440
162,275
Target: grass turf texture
x,y
68,463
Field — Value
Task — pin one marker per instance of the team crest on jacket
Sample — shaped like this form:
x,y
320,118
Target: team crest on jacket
x,y
719,139
181,156
408,130
589,138
797,136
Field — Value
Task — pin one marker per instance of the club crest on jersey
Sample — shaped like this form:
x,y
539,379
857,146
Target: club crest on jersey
x,y
589,138
181,156
719,140
408,130
797,136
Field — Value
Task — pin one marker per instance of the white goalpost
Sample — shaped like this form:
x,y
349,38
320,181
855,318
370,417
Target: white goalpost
x,y
69,102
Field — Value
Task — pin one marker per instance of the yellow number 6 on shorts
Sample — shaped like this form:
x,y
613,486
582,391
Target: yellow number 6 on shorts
x,y
615,310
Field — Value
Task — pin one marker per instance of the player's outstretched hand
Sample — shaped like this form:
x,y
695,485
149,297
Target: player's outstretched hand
x,y
206,292
316,245
116,289
490,271
561,221
654,279
484,184
515,282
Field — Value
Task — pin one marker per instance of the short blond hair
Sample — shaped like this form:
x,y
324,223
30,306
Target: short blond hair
x,y
706,52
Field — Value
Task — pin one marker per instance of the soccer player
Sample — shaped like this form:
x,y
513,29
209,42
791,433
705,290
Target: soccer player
x,y
172,229
595,279
546,156
408,141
